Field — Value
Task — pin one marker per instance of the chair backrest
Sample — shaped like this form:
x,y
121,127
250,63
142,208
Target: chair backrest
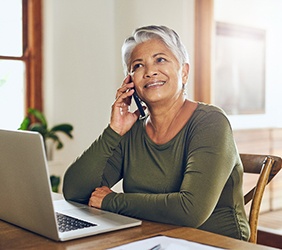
x,y
266,166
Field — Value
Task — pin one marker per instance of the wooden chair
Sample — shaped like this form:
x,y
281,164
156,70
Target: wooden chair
x,y
267,166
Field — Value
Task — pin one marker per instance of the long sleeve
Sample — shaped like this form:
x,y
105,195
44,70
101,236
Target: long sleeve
x,y
208,164
193,180
90,169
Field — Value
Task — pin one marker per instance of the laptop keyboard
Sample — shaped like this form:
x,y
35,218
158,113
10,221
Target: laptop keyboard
x,y
67,223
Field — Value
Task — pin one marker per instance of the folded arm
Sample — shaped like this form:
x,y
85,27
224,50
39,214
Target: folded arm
x,y
89,171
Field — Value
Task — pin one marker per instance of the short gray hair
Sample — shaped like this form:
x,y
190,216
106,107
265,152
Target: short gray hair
x,y
168,36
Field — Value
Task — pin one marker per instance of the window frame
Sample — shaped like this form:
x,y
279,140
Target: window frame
x,y
32,53
204,30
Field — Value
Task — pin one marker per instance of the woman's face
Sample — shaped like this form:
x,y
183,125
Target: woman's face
x,y
156,73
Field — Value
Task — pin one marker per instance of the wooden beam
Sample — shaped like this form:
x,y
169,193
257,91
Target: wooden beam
x,y
203,49
33,55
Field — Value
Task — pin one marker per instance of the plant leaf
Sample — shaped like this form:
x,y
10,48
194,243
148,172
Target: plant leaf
x,y
55,182
38,127
25,123
59,144
55,138
38,115
65,128
52,136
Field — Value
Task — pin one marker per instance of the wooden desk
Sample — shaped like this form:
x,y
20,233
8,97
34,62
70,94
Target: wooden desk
x,y
12,237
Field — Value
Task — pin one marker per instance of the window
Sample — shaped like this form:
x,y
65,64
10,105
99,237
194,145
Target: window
x,y
20,60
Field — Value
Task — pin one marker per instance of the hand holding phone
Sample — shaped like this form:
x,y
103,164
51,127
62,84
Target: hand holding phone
x,y
138,102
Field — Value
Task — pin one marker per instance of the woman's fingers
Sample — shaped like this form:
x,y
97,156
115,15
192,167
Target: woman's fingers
x,y
126,85
121,117
124,96
98,195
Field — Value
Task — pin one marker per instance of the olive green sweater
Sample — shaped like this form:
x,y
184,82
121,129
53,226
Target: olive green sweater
x,y
193,180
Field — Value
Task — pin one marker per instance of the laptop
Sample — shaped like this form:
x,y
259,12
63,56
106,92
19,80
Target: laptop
x,y
27,200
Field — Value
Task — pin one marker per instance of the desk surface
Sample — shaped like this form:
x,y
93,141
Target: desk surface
x,y
12,237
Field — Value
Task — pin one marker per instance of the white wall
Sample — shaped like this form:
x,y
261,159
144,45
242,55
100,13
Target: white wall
x,y
263,14
82,41
78,69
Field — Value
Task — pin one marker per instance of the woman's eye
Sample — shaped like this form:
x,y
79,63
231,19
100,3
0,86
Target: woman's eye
x,y
161,59
136,66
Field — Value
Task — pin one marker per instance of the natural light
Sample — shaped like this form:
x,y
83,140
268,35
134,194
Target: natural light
x,y
11,71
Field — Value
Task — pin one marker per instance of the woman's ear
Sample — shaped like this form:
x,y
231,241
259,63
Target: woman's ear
x,y
185,73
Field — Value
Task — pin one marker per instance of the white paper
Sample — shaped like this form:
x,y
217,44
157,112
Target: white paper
x,y
166,243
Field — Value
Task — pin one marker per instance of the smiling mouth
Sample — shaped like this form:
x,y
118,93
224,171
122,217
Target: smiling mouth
x,y
154,84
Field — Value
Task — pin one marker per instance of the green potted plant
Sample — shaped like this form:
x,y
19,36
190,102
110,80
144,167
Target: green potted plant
x,y
36,121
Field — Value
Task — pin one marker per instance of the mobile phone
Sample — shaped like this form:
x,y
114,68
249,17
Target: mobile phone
x,y
138,102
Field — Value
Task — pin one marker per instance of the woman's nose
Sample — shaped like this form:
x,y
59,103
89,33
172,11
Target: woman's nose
x,y
150,71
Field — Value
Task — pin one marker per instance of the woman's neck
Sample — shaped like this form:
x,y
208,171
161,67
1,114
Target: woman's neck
x,y
165,122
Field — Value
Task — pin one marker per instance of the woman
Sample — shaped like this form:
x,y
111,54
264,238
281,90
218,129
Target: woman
x,y
179,164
